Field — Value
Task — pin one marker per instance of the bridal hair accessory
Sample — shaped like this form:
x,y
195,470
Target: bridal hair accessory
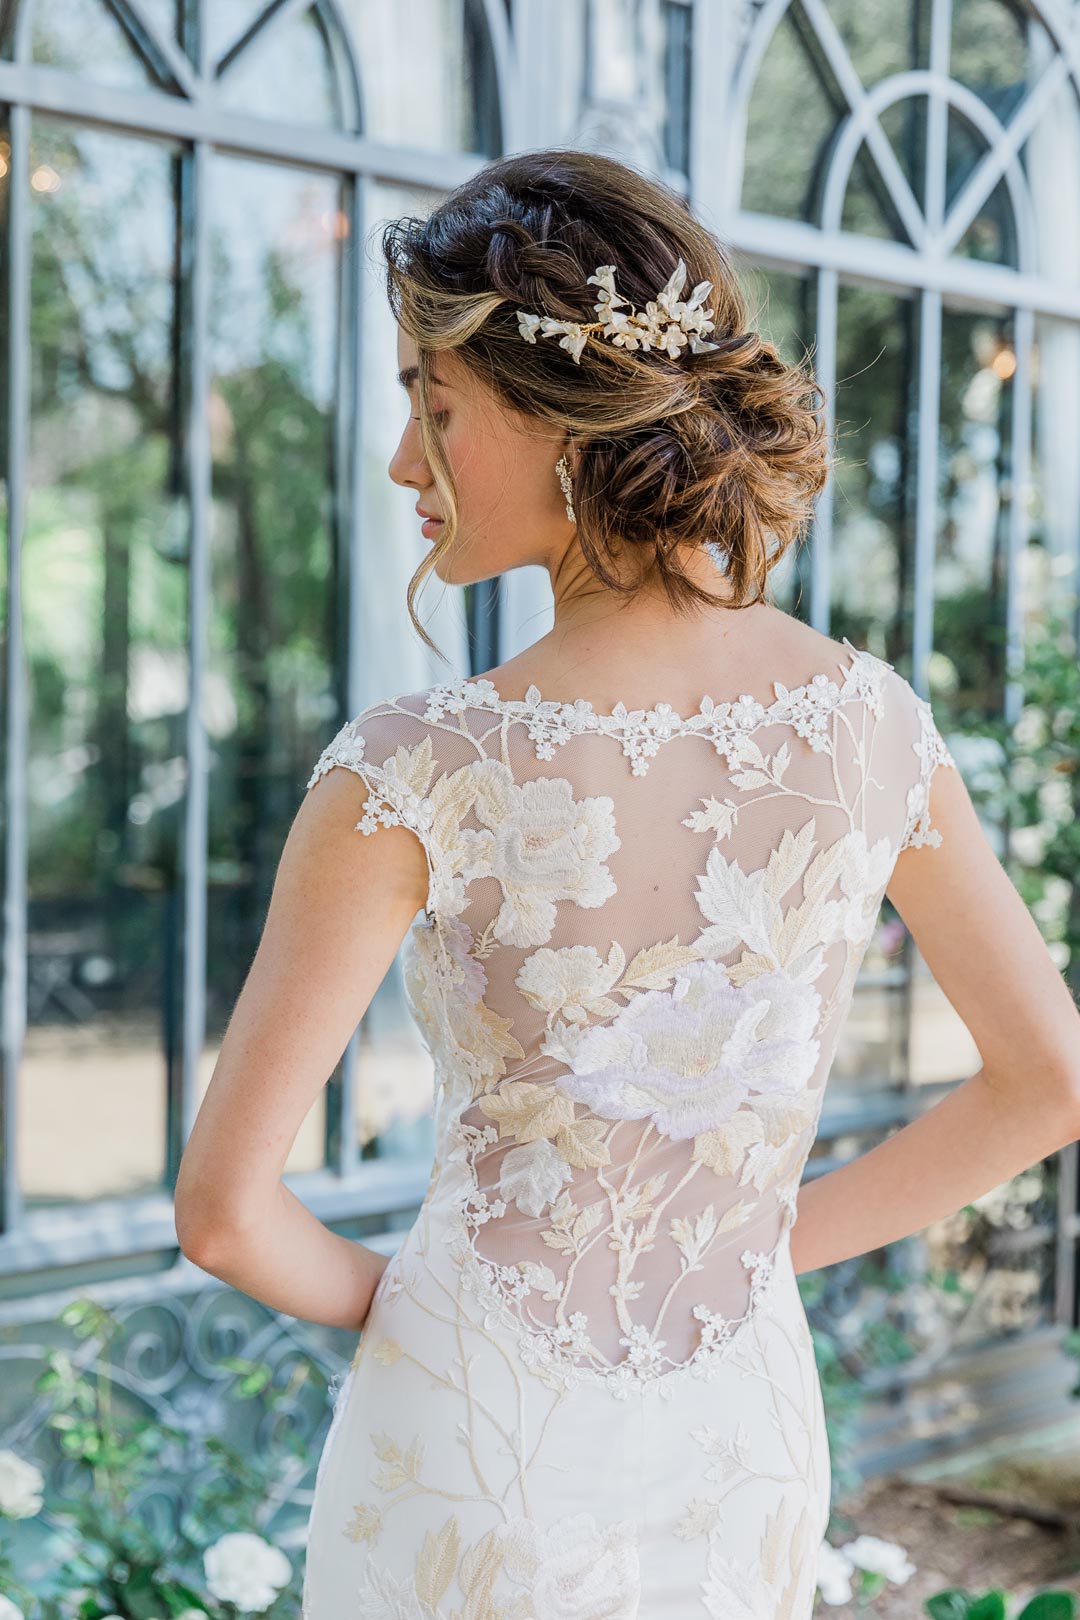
x,y
666,322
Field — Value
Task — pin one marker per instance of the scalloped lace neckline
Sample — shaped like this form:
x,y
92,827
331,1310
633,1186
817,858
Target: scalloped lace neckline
x,y
481,693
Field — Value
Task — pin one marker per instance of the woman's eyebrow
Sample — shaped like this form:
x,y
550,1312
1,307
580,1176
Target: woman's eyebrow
x,y
409,374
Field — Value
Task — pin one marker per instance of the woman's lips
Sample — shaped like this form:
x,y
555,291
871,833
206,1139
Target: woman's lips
x,y
430,527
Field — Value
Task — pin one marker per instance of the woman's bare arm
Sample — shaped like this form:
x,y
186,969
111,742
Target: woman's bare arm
x,y
341,904
985,951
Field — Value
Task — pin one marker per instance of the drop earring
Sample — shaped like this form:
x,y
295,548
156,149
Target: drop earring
x,y
718,555
562,467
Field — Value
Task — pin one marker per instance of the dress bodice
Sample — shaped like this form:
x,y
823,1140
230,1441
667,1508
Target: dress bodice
x,y
640,941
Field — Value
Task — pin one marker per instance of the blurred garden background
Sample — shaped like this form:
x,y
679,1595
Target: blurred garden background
x,y
204,574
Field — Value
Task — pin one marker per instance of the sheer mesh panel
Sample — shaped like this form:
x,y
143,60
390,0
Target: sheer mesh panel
x,y
641,939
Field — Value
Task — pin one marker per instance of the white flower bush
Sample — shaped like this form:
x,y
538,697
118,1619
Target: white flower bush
x,y
21,1487
243,1569
21,1496
879,1557
837,1565
185,1614
834,1574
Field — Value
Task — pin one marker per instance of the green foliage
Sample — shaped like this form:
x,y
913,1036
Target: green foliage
x,y
1036,790
116,1559
957,1604
1071,1346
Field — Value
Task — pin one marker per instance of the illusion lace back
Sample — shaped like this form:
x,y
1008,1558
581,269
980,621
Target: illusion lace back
x,y
586,1386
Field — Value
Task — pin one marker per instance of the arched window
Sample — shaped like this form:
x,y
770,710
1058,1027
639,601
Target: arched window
x,y
208,560
901,181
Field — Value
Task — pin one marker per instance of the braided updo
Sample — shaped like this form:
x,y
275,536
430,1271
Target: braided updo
x,y
726,446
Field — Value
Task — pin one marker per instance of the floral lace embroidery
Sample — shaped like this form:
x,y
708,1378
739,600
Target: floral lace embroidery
x,y
763,1050
931,751
561,1357
574,1559
747,1113
550,723
548,1353
395,799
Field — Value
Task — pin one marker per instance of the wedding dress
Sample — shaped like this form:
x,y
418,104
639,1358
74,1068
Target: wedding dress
x,y
586,1388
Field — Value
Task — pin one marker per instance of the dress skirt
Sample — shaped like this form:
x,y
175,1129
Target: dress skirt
x,y
457,1480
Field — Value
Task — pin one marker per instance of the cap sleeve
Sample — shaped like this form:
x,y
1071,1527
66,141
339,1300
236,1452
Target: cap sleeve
x,y
388,746
929,750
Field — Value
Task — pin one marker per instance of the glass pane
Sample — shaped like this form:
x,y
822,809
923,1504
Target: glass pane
x,y
276,593
883,37
967,669
163,22
1003,55
905,122
165,16
611,52
1053,149
868,208
1051,512
781,306
226,20
974,476
84,37
964,148
873,471
284,73
481,121
452,100
992,233
677,44
105,587
902,1028
793,114
991,236
1054,500
990,51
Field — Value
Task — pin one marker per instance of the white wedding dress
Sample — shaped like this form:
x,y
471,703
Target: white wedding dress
x,y
586,1388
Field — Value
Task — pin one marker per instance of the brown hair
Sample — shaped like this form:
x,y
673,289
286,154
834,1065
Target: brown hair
x,y
726,445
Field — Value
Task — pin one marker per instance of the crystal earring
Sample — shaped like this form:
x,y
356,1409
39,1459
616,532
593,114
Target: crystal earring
x,y
562,467
718,555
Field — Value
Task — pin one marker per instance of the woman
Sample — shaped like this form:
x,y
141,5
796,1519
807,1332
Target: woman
x,y
650,853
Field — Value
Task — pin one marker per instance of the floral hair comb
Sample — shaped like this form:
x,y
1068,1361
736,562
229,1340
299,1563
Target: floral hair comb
x,y
665,323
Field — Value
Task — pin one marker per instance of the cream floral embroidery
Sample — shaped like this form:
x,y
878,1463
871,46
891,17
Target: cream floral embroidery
x,y
931,751
541,845
366,1523
769,1585
572,1570
687,1058
675,1043
729,725
575,1567
631,981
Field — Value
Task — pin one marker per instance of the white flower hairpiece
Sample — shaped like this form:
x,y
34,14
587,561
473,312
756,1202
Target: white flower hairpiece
x,y
665,322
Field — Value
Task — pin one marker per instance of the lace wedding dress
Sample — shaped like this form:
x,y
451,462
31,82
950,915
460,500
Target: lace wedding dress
x,y
586,1388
